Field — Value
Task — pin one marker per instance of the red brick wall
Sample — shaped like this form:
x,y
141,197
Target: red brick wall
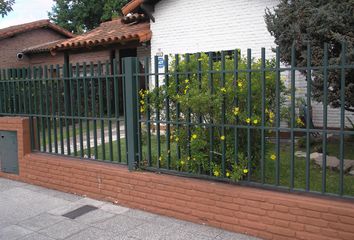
x,y
9,47
261,213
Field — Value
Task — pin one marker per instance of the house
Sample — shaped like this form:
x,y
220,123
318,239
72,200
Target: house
x,y
16,44
184,26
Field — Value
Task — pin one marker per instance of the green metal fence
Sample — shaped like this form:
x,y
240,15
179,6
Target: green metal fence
x,y
220,115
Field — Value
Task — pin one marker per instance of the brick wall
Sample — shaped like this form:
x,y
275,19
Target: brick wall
x,y
9,47
261,213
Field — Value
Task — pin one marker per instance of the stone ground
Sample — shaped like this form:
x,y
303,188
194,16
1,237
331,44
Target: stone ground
x,y
29,212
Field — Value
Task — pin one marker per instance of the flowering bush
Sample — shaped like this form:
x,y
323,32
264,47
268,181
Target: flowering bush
x,y
208,99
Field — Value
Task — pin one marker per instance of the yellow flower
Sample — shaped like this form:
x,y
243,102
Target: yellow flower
x,y
186,81
188,158
200,59
142,102
273,157
185,91
245,171
182,162
236,111
216,173
248,120
240,84
223,90
160,158
177,139
289,97
271,115
142,109
222,138
194,136
300,122
194,159
255,121
227,174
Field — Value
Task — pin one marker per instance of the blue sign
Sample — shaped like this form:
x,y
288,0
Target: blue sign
x,y
161,62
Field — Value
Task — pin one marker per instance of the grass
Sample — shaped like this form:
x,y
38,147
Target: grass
x,y
332,176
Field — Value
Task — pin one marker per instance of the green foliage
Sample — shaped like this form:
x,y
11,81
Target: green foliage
x,y
6,7
82,15
317,22
202,97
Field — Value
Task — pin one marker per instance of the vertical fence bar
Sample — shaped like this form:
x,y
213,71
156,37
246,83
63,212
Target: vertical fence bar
x,y
148,112
86,106
178,114
278,103
93,108
60,83
66,78
30,107
117,108
342,117
131,111
41,109
72,107
263,87
292,135
211,127
236,103
54,111
47,104
168,126
325,120
79,106
249,111
308,107
223,116
101,109
157,111
109,110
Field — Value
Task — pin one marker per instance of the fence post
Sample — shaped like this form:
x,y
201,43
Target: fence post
x,y
131,110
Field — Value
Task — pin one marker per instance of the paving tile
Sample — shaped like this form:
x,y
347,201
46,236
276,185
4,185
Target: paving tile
x,y
36,236
151,231
116,209
6,184
204,230
185,236
63,229
140,214
97,234
13,232
234,236
119,224
94,216
65,208
92,202
41,221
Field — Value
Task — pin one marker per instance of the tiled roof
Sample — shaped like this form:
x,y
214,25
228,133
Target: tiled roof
x,y
13,30
44,47
136,17
131,6
107,33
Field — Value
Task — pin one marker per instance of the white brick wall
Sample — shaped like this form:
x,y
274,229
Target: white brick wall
x,y
185,26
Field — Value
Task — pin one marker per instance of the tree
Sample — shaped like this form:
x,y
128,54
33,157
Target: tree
x,y
82,15
317,22
6,7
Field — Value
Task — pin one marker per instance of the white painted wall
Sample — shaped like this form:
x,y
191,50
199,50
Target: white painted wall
x,y
185,26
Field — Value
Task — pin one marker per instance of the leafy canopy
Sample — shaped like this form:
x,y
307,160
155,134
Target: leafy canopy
x,y
82,15
6,7
317,22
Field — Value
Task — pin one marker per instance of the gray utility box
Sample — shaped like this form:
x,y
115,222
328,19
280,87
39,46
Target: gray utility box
x,y
8,152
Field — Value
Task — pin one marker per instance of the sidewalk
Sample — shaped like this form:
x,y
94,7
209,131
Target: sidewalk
x,y
30,212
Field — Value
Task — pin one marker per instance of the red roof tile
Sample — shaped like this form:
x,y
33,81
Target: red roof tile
x,y
131,6
13,30
107,33
44,47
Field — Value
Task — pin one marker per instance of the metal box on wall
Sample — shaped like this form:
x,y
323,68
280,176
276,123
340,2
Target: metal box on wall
x,y
8,152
